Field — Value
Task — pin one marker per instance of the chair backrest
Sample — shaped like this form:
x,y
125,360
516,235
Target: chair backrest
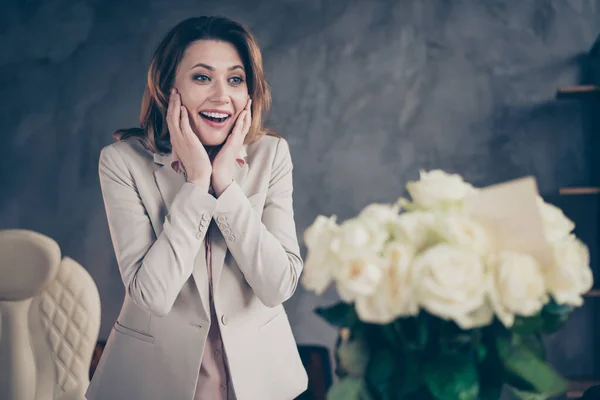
x,y
49,319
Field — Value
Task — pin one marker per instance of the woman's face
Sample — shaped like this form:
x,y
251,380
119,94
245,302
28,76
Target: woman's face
x,y
212,82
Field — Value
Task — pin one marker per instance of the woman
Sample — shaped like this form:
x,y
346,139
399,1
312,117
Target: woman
x,y
199,206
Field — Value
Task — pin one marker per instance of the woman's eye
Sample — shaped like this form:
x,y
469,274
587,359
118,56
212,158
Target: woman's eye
x,y
236,80
201,78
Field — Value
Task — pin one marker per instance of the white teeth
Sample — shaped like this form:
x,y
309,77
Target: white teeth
x,y
214,115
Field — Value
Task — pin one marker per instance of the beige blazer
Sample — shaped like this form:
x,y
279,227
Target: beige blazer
x,y
157,223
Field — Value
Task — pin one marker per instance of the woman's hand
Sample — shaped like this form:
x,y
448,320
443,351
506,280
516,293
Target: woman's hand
x,y
185,143
223,166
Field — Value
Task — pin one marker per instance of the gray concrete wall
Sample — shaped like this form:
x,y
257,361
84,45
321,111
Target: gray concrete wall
x,y
366,92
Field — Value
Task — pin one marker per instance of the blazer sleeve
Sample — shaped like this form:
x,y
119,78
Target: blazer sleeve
x,y
153,269
266,250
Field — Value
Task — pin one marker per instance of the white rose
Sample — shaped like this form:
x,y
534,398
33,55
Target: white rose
x,y
358,276
463,231
394,296
416,228
439,190
516,286
452,285
556,224
359,269
570,276
354,238
383,213
320,261
379,219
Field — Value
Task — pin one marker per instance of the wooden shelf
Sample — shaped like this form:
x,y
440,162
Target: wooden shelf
x,y
592,293
578,92
570,191
577,387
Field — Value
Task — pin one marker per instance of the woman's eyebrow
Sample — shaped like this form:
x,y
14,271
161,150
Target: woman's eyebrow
x,y
211,68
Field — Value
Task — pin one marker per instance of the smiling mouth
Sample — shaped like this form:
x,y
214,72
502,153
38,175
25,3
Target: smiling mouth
x,y
214,117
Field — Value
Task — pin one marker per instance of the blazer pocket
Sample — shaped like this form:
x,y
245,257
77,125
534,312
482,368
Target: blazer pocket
x,y
133,333
265,325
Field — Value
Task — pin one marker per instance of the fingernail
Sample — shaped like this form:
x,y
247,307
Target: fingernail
x,y
172,90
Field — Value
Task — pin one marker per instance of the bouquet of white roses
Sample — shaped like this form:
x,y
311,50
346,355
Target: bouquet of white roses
x,y
431,309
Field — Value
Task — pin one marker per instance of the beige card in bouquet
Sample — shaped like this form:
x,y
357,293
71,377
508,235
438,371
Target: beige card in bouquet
x,y
510,211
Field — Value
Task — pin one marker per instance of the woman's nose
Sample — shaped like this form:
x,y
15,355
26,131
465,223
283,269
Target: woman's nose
x,y
220,93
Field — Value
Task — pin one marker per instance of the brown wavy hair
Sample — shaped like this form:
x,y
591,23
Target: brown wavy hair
x,y
153,129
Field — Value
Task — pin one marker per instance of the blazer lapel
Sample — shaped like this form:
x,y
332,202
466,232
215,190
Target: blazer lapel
x,y
218,245
169,182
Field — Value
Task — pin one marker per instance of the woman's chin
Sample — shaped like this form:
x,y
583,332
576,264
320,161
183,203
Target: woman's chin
x,y
212,143
215,139
211,136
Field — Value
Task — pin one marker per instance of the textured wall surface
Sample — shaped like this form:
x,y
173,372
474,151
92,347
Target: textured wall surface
x,y
367,93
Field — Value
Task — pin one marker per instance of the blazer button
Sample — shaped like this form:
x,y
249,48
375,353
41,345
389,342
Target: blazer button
x,y
224,319
206,216
221,218
199,235
227,231
232,238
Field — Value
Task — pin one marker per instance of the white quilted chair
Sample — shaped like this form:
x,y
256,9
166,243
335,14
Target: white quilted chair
x,y
49,320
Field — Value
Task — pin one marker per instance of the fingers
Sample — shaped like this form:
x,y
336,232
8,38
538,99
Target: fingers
x,y
184,124
248,118
174,114
242,125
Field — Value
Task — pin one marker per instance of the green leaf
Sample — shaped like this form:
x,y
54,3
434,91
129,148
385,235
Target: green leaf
x,y
524,395
408,378
481,351
350,388
551,318
340,315
380,373
519,360
533,342
527,325
422,330
452,377
490,374
390,335
490,391
414,331
457,344
554,316
353,357
421,394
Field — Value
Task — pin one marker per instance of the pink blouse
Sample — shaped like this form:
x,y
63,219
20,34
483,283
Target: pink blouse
x,y
213,380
